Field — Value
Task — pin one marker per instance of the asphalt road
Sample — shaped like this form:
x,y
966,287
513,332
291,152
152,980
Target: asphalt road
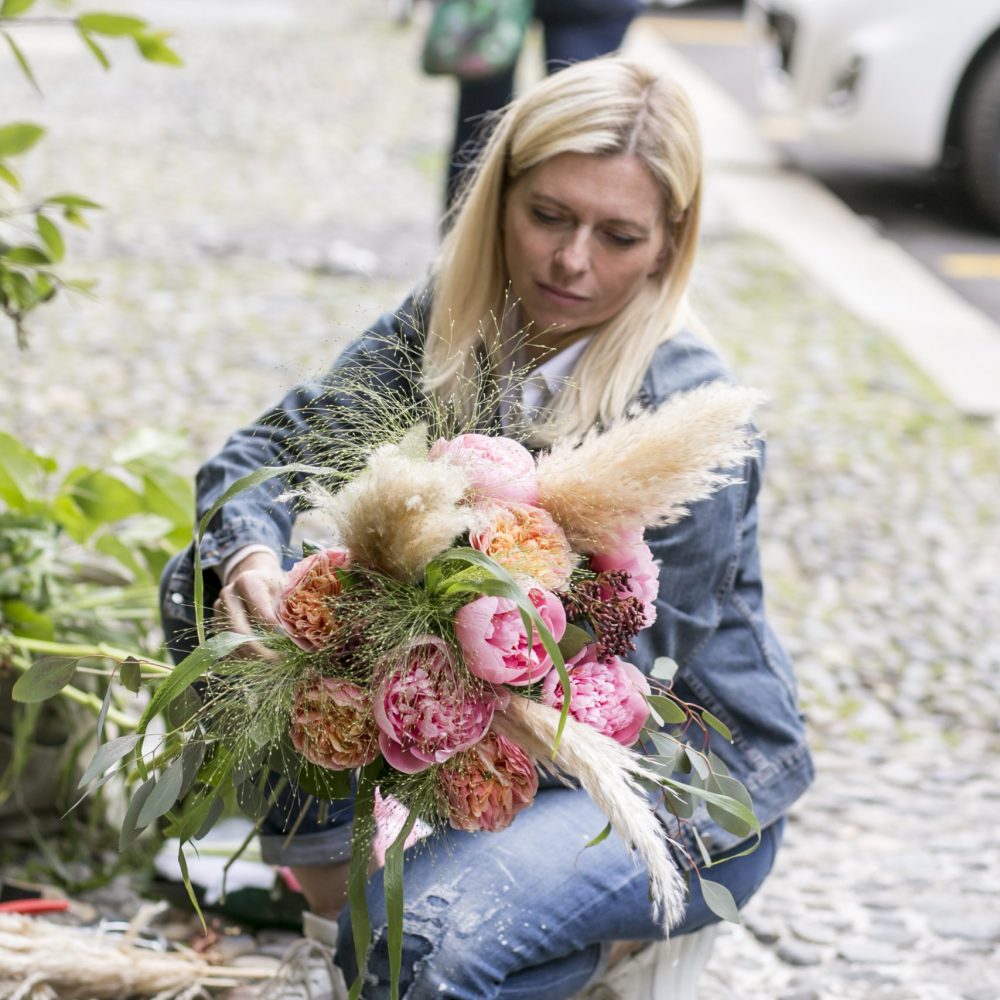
x,y
926,213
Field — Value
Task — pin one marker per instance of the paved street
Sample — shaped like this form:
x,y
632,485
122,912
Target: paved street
x,y
275,195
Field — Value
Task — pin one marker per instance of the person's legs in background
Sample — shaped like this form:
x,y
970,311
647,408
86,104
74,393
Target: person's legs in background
x,y
476,99
574,30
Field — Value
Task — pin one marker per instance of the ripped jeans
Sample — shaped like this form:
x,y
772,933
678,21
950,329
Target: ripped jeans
x,y
523,914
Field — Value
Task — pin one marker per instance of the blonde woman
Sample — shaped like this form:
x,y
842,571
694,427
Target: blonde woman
x,y
580,223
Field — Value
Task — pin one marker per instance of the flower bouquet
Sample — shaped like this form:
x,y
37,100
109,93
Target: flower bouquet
x,y
466,630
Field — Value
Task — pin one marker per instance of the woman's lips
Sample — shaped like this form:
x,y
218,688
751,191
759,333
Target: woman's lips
x,y
560,295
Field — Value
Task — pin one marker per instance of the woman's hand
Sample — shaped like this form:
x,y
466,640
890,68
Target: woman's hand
x,y
249,598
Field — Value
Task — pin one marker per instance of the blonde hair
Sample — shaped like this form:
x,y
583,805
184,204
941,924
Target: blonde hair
x,y
602,107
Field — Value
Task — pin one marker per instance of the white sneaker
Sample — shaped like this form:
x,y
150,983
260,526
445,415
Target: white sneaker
x,y
665,970
307,970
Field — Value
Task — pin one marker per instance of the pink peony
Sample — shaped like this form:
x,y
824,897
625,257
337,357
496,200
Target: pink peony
x,y
305,607
633,556
493,639
332,723
424,713
527,542
499,468
487,786
607,696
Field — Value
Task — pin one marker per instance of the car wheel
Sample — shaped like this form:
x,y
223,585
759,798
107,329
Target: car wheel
x,y
979,138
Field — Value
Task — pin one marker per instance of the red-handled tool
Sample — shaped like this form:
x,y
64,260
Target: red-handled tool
x,y
34,906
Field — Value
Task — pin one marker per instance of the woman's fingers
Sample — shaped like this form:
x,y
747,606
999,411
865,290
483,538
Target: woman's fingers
x,y
248,601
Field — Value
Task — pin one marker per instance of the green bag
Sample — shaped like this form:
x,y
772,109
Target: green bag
x,y
475,39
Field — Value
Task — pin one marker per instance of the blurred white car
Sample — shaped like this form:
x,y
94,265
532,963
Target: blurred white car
x,y
902,81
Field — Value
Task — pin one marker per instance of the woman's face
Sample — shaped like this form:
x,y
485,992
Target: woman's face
x,y
582,235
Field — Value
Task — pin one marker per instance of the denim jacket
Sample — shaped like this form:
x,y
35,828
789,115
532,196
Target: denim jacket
x,y
710,611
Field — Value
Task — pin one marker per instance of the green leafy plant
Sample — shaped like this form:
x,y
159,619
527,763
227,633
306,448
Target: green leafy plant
x,y
80,556
32,244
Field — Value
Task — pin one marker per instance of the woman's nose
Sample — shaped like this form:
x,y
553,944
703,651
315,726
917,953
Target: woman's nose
x,y
573,253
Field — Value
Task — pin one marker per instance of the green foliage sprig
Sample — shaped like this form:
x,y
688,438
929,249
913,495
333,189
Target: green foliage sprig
x,y
31,240
80,556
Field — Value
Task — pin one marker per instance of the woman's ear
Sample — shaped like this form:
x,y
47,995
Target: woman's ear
x,y
662,259
666,253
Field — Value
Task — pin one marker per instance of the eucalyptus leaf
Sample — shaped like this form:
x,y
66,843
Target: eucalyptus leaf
x,y
183,708
702,849
188,886
666,745
193,755
130,674
45,678
717,724
103,714
18,138
664,668
247,766
718,764
719,900
667,709
130,829
730,806
107,754
251,801
212,817
730,823
698,764
726,785
732,789
163,796
679,800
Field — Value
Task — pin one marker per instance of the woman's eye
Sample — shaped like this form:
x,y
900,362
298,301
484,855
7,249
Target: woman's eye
x,y
621,240
545,218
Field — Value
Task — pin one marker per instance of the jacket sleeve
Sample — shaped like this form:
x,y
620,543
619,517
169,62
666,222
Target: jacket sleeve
x,y
699,560
700,556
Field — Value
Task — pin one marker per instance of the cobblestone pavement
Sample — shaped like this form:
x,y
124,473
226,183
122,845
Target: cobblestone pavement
x,y
281,190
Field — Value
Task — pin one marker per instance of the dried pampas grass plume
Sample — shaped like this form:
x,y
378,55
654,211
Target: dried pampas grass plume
x,y
401,511
40,959
647,468
607,772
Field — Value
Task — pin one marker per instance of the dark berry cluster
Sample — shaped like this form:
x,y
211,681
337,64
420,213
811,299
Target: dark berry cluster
x,y
608,605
